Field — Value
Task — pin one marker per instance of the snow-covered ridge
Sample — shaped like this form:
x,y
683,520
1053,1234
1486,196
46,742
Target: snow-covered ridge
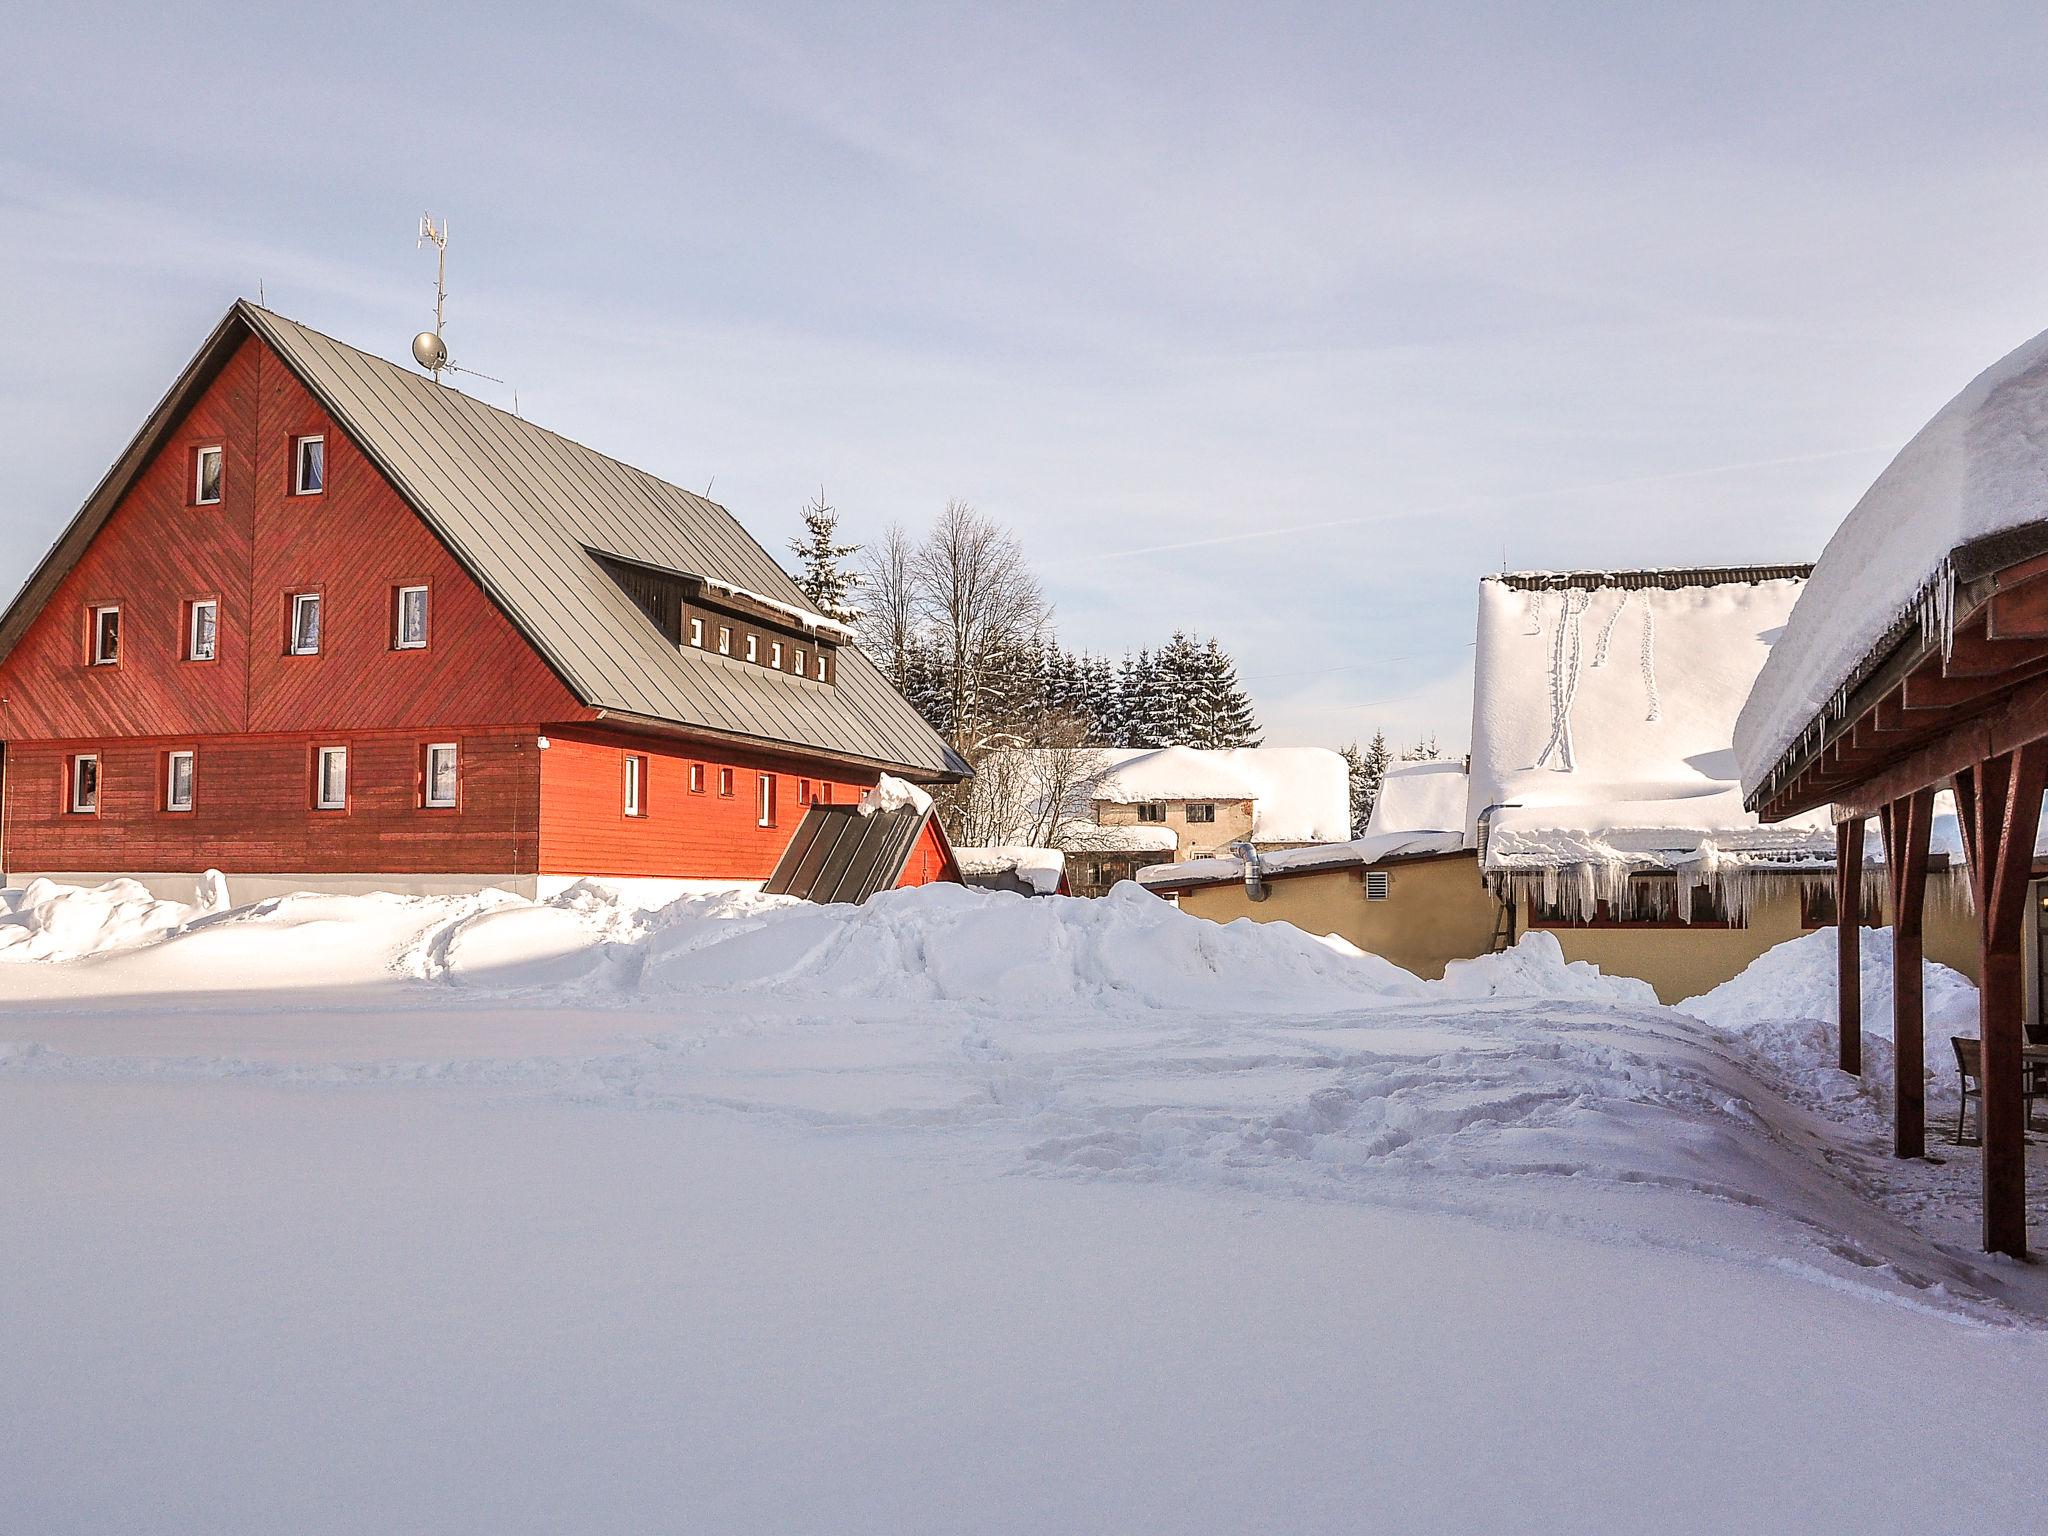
x,y
1979,467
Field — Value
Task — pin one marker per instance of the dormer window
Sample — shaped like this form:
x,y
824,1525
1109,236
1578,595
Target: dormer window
x,y
309,466
821,668
725,639
106,635
697,632
753,647
801,663
775,654
206,476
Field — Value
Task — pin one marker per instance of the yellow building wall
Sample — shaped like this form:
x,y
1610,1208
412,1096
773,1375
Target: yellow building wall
x,y
1436,911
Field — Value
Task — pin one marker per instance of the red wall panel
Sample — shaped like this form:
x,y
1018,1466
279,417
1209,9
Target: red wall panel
x,y
930,861
584,829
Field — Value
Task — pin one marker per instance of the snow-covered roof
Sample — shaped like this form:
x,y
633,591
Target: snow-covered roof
x,y
1086,837
1039,868
1977,471
1298,794
1357,852
1421,797
1603,714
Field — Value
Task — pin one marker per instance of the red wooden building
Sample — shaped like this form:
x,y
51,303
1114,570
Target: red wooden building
x,y
329,624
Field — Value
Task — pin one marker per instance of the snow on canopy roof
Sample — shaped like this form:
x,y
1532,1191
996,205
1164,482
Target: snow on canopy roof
x,y
1041,869
1381,849
1421,797
1086,837
1603,713
1298,794
1977,472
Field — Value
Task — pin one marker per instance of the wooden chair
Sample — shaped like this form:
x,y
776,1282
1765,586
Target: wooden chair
x,y
1970,1068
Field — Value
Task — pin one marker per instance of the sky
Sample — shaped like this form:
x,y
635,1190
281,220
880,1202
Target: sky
x,y
1282,323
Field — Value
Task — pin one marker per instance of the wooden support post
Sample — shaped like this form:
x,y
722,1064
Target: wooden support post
x,y
1907,825
1849,941
1999,800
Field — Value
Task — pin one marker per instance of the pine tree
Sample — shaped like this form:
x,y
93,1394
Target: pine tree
x,y
1230,721
1136,707
821,571
1425,750
1368,771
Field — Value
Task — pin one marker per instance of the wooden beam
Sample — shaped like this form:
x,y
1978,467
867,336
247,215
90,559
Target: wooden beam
x,y
1972,654
2019,612
2000,801
1907,825
1849,943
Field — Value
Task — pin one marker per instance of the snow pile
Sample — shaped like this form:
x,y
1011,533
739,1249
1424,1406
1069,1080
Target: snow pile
x,y
1422,797
1039,869
47,921
1536,968
1978,468
893,794
1797,980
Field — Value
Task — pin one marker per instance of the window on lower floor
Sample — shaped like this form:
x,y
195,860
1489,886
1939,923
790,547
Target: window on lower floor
x,y
438,781
85,784
330,779
1152,810
767,786
1201,814
803,791
180,773
636,784
725,783
696,778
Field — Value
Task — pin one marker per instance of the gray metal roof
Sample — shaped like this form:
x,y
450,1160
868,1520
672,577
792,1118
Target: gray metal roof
x,y
841,854
523,508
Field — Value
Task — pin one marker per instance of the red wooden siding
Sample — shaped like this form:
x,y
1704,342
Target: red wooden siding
x,y
584,829
930,860
251,807
354,543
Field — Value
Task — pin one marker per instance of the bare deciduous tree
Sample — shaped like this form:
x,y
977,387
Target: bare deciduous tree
x,y
978,596
889,623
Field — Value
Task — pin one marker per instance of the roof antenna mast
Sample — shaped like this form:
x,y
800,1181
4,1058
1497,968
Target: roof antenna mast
x,y
428,350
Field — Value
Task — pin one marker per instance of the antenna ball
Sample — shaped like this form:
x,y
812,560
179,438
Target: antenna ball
x,y
429,351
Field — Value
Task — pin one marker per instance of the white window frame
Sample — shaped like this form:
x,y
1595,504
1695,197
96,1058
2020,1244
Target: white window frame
x,y
753,647
300,601
191,761
697,633
775,654
427,796
99,612
821,668
75,799
801,664
636,791
192,651
725,639
696,778
218,453
766,789
299,447
727,789
321,800
398,640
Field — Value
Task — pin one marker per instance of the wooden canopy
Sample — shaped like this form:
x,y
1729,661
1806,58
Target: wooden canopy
x,y
1968,709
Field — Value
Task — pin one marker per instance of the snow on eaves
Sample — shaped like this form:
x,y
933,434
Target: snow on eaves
x,y
803,617
1086,837
1356,853
1978,468
1041,869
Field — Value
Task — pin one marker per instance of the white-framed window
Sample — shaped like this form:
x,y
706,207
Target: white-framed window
x,y
305,633
767,785
180,770
803,791
775,654
696,778
437,785
725,639
753,647
206,476
409,620
106,635
636,784
801,663
85,783
725,783
821,668
202,630
697,632
309,466
330,779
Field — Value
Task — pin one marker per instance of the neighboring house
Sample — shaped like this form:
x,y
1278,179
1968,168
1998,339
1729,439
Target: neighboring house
x,y
1601,802
1021,871
1270,797
329,624
1099,857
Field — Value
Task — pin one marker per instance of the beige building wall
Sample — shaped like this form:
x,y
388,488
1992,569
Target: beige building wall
x,y
1437,910
1192,839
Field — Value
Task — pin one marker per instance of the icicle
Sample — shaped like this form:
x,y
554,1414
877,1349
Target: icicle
x,y
1650,659
1607,632
1565,655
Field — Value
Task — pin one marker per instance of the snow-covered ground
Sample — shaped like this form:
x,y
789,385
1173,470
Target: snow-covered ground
x,y
953,1212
